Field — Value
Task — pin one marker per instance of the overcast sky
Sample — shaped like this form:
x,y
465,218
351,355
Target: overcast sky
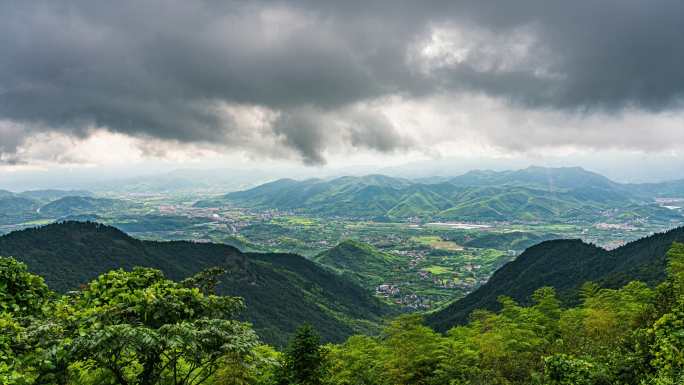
x,y
220,83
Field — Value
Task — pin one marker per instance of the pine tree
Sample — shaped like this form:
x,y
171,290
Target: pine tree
x,y
303,360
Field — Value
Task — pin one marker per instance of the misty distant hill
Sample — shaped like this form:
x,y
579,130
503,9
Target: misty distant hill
x,y
26,206
16,209
80,205
531,194
52,195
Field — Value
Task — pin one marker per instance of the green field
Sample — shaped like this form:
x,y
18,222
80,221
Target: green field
x,y
436,242
437,270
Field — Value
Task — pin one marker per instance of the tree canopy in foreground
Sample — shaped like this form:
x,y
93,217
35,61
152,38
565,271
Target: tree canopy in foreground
x,y
138,327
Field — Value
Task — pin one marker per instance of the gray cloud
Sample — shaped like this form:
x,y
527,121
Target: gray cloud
x,y
311,131
303,132
159,68
11,137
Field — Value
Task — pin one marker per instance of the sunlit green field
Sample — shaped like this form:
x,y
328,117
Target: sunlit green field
x,y
437,270
436,242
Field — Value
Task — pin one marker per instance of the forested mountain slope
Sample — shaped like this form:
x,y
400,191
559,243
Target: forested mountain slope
x,y
559,178
281,290
564,265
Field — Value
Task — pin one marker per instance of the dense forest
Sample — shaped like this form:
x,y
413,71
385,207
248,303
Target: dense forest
x,y
139,327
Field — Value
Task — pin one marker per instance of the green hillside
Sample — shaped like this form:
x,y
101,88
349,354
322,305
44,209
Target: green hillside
x,y
14,209
545,178
281,290
512,240
361,262
530,195
564,265
50,195
505,203
368,196
77,205
34,205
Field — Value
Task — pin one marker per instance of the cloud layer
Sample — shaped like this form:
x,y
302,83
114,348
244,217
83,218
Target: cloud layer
x,y
303,78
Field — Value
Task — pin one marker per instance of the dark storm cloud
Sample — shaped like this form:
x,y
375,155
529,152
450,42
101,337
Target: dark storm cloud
x,y
164,68
607,53
311,131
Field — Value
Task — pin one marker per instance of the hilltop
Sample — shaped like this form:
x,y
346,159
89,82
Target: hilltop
x,y
360,261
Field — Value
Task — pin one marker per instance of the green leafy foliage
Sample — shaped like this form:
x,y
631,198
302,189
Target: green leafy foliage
x,y
303,359
21,292
261,367
125,327
562,369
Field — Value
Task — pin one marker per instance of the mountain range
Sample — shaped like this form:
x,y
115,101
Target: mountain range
x,y
281,291
531,194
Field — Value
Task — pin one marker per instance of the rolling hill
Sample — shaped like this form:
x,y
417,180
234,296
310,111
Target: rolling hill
x,y
529,195
565,265
367,196
281,290
511,240
361,262
79,205
50,195
15,209
26,206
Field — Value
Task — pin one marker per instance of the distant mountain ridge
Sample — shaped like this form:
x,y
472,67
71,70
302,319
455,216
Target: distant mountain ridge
x,y
79,205
45,195
281,290
531,194
565,265
50,195
33,205
551,178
